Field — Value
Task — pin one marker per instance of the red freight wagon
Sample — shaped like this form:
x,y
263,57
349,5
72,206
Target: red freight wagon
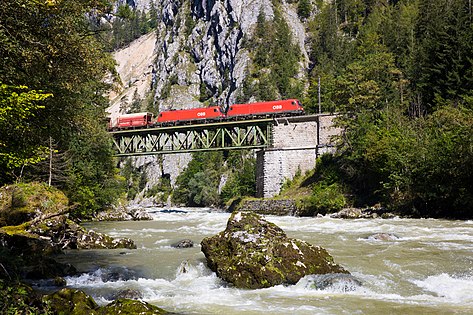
x,y
188,115
286,107
135,120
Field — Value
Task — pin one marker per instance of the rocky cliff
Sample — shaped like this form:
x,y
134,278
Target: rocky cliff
x,y
201,53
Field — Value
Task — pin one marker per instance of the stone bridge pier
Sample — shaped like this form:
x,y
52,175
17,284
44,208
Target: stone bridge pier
x,y
296,144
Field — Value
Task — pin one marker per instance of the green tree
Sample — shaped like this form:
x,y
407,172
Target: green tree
x,y
49,46
275,61
370,82
241,181
444,58
304,8
198,184
18,105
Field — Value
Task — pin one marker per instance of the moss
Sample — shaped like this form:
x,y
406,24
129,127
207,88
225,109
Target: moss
x,y
21,202
71,301
21,229
130,307
18,298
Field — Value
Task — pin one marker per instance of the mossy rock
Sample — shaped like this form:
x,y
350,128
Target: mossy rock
x,y
23,202
130,307
71,302
27,256
253,253
19,298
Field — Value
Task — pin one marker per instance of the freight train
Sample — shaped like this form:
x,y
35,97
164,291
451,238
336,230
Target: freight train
x,y
210,114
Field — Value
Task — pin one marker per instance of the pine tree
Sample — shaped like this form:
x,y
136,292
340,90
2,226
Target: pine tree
x,y
444,57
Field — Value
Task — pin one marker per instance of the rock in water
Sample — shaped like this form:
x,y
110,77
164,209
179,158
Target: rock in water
x,y
337,281
383,237
253,253
187,243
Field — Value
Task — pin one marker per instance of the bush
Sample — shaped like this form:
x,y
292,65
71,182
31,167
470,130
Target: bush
x,y
324,199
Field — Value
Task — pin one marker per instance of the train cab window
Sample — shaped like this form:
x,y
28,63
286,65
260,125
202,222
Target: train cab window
x,y
293,103
215,110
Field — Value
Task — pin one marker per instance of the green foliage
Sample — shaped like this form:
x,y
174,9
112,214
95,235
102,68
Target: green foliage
x,y
17,148
242,177
19,202
304,8
422,164
401,75
93,180
323,190
324,199
50,47
275,61
331,50
128,25
18,298
200,183
443,62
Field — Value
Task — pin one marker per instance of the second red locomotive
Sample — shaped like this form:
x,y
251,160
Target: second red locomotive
x,y
273,108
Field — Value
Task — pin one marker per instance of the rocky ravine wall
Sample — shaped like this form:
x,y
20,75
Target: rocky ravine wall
x,y
197,48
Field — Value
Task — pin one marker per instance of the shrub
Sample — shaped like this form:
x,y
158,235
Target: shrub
x,y
324,199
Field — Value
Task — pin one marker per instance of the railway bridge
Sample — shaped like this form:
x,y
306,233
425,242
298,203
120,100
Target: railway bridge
x,y
284,145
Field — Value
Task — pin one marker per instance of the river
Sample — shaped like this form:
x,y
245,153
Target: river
x,y
428,269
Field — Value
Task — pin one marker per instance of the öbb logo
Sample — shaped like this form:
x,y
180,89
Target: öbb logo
x,y
277,107
201,114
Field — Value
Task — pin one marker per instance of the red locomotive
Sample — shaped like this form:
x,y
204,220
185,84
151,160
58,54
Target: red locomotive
x,y
208,114
260,109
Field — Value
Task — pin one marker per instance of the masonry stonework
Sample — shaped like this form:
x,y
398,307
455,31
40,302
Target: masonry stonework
x,y
295,146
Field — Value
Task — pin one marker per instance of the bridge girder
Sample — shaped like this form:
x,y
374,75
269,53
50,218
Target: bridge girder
x,y
246,134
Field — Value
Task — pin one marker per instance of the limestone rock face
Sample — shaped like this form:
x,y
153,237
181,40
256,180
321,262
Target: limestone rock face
x,y
198,55
254,253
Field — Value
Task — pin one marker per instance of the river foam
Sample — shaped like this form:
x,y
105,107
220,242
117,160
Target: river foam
x,y
426,270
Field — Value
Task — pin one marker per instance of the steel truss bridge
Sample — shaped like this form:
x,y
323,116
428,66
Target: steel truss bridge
x,y
245,134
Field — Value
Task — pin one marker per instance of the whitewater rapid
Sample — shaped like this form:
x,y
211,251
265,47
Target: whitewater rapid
x,y
427,268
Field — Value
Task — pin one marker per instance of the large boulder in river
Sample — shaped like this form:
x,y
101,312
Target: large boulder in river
x,y
254,253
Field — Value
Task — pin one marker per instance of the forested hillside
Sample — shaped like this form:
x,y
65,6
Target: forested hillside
x,y
399,72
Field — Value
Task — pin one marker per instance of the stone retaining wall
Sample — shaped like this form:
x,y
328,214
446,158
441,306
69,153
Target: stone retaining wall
x,y
272,207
